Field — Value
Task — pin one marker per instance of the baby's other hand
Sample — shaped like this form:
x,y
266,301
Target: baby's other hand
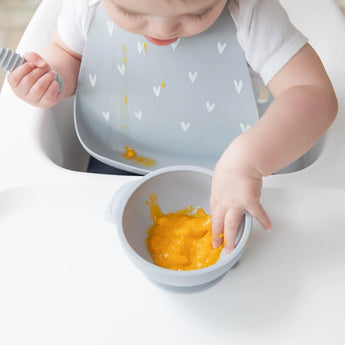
x,y
236,188
34,82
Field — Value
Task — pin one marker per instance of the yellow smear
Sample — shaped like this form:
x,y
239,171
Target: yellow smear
x,y
145,46
124,55
181,240
126,100
131,154
163,84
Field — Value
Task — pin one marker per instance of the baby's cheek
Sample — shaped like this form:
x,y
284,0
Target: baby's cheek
x,y
135,26
194,28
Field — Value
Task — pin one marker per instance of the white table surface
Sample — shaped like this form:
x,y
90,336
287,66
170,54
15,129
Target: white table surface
x,y
64,278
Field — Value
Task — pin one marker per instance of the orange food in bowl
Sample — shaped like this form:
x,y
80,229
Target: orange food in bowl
x,y
181,240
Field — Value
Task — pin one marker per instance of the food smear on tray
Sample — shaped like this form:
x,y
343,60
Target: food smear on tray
x,y
131,154
181,240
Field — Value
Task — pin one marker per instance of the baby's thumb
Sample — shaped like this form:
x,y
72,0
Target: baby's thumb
x,y
260,214
36,59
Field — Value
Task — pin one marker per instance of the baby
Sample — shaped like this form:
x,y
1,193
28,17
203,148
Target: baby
x,y
305,104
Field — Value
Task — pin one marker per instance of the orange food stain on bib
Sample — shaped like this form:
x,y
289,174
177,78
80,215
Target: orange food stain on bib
x,y
131,154
181,240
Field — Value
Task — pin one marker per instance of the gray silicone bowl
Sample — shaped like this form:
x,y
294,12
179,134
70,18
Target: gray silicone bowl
x,y
176,188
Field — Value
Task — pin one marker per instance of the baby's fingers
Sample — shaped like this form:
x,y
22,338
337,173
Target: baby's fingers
x,y
232,220
260,214
217,226
15,77
24,77
45,91
36,59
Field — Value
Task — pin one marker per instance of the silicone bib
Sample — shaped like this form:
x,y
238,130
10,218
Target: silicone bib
x,y
177,104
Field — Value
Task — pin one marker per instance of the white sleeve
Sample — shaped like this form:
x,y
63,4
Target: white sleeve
x,y
266,35
74,21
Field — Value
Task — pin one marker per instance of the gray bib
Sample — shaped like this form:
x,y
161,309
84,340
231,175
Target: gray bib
x,y
177,104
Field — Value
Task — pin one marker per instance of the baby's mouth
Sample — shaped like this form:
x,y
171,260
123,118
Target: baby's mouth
x,y
160,42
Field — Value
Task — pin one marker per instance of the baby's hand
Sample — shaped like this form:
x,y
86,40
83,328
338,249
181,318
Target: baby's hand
x,y
34,82
236,188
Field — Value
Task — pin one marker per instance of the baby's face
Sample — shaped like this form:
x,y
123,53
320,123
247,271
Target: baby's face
x,y
163,21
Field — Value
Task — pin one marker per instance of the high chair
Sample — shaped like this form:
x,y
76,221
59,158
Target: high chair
x,y
66,280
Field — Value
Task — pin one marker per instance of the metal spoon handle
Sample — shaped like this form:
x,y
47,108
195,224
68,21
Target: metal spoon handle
x,y
10,60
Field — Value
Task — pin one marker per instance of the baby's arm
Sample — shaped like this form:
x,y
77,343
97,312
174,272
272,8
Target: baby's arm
x,y
305,106
35,82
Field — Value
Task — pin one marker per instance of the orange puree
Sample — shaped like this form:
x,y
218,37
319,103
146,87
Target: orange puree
x,y
131,154
181,240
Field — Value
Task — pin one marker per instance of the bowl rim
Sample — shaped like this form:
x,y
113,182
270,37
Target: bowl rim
x,y
153,268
